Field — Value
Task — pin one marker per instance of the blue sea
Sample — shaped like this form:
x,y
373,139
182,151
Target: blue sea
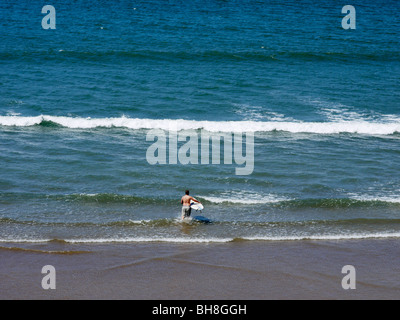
x,y
77,104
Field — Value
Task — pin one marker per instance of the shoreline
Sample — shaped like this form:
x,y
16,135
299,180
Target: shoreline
x,y
249,270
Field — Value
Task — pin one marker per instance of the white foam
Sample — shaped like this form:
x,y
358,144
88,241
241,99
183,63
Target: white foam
x,y
214,240
12,113
356,127
152,239
327,237
243,197
389,198
338,112
20,121
139,221
24,240
258,113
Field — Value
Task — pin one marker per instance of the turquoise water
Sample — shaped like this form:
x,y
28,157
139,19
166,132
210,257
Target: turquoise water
x,y
77,103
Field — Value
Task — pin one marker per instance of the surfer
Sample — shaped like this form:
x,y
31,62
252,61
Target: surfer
x,y
186,209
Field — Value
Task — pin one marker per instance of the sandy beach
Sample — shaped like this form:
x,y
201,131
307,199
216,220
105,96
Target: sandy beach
x,y
238,270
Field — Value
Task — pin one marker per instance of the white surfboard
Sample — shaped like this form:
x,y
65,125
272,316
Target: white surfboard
x,y
196,206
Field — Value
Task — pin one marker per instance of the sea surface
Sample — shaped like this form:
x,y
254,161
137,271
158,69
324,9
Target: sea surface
x,y
77,104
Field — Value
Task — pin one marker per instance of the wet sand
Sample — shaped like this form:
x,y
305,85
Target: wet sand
x,y
246,270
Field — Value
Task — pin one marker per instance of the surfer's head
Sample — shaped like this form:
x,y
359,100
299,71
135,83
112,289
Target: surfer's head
x,y
187,192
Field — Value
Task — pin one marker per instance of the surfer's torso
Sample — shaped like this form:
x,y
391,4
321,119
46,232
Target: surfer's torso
x,y
186,200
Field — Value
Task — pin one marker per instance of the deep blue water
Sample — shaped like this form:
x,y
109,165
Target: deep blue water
x,y
77,103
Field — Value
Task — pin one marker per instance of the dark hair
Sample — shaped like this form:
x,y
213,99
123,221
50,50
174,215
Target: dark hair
x,y
187,192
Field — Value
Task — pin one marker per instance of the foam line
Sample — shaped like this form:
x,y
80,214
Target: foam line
x,y
215,240
356,127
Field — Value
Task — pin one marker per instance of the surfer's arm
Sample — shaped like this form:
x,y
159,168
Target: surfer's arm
x,y
191,198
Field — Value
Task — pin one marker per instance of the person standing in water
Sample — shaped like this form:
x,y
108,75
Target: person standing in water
x,y
186,209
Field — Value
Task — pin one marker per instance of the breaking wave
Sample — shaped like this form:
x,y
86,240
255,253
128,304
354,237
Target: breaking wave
x,y
321,237
353,127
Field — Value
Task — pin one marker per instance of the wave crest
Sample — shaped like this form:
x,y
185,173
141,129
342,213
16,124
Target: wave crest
x,y
353,127
320,237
